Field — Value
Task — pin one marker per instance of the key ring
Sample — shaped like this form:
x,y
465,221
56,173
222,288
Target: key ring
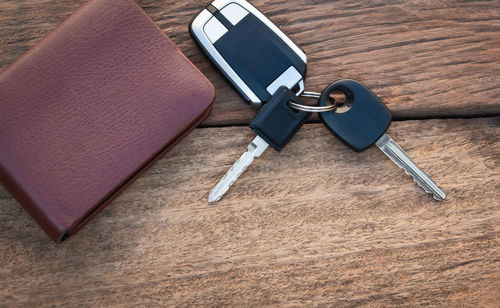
x,y
311,94
308,108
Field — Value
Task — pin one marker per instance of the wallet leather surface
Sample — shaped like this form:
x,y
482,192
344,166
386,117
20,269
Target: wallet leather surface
x,y
87,109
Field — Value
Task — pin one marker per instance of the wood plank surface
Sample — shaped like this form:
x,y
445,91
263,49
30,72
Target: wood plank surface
x,y
424,58
314,225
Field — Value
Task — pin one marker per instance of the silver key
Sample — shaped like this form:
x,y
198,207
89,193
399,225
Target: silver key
x,y
400,158
255,149
275,125
365,124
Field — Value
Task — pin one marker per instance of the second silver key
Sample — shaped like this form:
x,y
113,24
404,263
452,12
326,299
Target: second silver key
x,y
365,124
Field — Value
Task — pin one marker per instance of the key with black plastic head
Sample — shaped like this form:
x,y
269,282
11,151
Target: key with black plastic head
x,y
275,125
365,124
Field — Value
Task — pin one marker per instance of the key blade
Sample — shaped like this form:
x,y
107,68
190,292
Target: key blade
x,y
255,149
400,158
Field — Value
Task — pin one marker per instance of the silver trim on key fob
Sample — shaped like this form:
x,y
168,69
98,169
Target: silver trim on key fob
x,y
217,30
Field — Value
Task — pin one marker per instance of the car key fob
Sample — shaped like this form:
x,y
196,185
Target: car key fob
x,y
252,52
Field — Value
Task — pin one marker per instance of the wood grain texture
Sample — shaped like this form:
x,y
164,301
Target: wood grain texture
x,y
424,58
314,225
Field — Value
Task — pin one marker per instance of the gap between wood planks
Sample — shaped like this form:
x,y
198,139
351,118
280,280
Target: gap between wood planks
x,y
316,120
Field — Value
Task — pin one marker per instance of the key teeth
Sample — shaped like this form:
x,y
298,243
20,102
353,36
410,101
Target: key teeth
x,y
404,161
210,200
224,185
421,183
254,150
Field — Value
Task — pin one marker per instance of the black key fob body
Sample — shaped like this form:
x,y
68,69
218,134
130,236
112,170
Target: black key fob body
x,y
252,52
366,121
277,123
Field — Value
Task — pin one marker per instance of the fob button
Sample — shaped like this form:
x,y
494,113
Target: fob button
x,y
234,13
214,30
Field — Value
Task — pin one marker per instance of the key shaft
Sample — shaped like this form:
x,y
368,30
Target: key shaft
x,y
403,160
275,125
255,150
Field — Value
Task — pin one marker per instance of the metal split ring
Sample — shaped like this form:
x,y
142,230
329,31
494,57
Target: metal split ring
x,y
311,94
308,108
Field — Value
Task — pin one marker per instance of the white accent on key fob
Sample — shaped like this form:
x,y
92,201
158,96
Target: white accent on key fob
x,y
234,13
214,29
289,79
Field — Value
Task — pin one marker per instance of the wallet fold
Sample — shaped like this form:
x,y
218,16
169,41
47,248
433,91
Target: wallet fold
x,y
89,108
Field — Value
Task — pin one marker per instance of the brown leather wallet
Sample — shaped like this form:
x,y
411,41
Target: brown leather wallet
x,y
89,108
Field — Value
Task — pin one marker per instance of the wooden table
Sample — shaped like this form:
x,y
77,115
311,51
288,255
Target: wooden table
x,y
314,225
